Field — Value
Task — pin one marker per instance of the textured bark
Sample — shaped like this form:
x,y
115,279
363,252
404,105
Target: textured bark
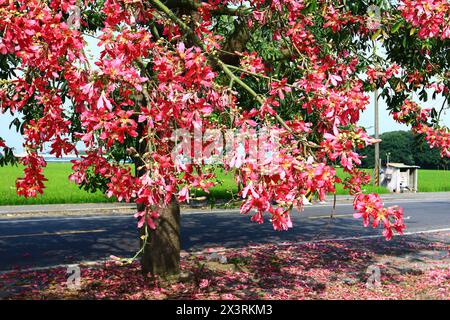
x,y
161,256
236,42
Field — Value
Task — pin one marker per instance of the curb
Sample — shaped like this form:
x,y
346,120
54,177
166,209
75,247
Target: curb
x,y
118,210
108,209
67,212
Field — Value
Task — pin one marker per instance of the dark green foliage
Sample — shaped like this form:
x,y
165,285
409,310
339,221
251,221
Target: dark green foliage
x,y
405,147
7,157
95,182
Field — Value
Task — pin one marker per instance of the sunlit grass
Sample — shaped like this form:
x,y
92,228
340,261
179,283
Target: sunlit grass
x,y
60,190
227,187
58,187
434,180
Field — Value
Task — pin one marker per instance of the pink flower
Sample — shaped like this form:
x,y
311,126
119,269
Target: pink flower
x,y
183,195
103,102
204,283
370,207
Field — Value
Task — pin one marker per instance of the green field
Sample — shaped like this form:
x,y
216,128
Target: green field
x,y
228,187
434,180
58,187
60,190
366,189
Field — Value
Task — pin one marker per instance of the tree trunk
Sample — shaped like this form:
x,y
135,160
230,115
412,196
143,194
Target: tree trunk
x,y
161,255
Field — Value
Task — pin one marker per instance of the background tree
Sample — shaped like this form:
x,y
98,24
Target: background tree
x,y
405,147
428,158
399,144
292,67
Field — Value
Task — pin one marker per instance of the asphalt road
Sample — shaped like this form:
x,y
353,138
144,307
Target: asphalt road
x,y
47,241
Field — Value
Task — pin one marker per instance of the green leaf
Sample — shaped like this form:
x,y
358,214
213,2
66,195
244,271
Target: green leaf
x,y
396,26
376,34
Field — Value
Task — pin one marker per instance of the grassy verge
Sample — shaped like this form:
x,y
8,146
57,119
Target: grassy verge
x,y
58,187
227,187
434,180
60,190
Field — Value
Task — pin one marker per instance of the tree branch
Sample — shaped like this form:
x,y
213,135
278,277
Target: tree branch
x,y
195,5
257,75
184,27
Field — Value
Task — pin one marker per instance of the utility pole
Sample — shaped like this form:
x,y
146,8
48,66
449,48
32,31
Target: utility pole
x,y
376,170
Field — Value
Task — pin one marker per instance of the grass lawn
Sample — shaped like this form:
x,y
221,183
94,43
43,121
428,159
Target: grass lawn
x,y
434,180
370,188
60,190
228,187
58,187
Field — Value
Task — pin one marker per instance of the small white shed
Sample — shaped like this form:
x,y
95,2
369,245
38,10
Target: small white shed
x,y
399,177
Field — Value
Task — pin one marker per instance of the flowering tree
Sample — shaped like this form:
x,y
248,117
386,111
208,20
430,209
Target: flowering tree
x,y
176,78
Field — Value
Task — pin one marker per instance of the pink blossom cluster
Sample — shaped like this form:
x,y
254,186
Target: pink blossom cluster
x,y
251,62
412,113
431,17
150,82
370,208
381,76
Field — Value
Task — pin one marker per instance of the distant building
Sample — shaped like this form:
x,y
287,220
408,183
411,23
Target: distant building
x,y
399,177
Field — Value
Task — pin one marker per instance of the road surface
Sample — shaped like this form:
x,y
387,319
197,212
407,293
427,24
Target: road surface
x,y
46,241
